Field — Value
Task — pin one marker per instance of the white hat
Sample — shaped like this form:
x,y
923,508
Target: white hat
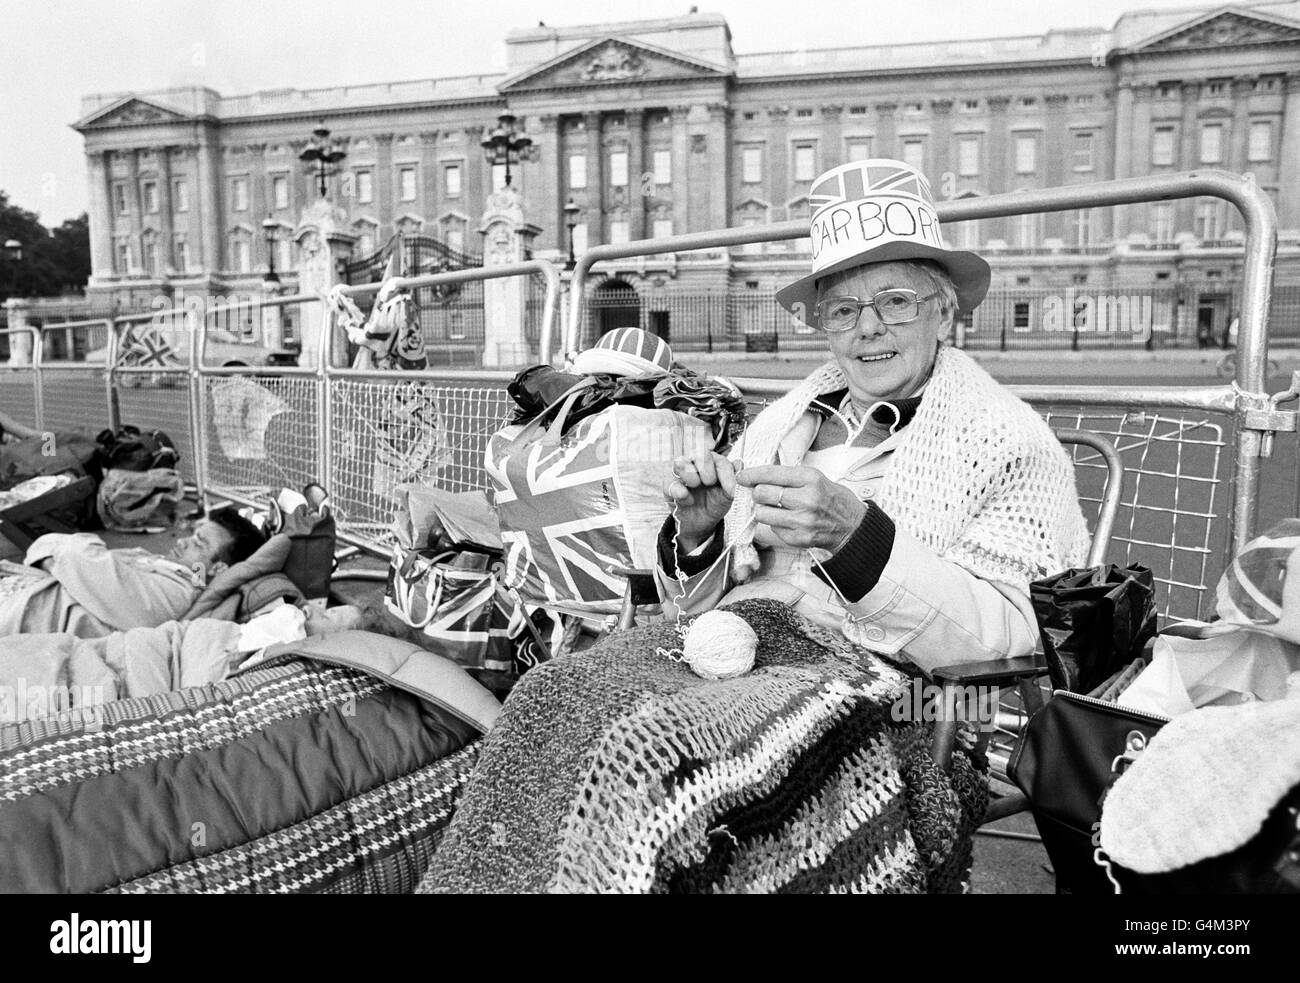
x,y
878,211
625,351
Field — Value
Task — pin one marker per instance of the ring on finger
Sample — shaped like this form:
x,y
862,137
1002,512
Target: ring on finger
x,y
780,495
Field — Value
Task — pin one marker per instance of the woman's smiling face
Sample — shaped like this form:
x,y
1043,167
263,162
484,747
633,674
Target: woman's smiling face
x,y
886,361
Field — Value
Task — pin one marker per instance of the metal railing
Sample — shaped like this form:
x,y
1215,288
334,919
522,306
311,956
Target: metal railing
x,y
1191,454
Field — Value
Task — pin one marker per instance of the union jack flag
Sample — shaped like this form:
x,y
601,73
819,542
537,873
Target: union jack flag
x,y
854,181
149,348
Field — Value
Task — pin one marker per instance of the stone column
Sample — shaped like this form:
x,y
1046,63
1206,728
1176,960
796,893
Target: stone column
x,y
1288,156
257,199
1125,134
635,167
101,218
209,200
546,191
778,161
506,238
475,164
1189,155
300,182
323,243
429,173
595,180
997,228
884,142
385,190
832,137
1054,147
681,170
941,144
166,248
720,167
20,342
136,206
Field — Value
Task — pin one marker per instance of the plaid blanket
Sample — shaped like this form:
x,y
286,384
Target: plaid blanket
x,y
301,777
618,770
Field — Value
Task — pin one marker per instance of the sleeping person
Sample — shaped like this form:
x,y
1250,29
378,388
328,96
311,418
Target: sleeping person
x,y
76,584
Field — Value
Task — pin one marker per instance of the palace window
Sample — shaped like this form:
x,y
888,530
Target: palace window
x,y
1162,221
1162,146
451,180
749,117
663,227
280,191
1266,84
914,153
122,255
1028,231
180,195
1209,221
577,171
751,165
968,156
1217,87
406,183
365,187
239,194
618,169
805,161
119,199
1020,316
968,235
857,110
180,252
619,231
149,252
1083,151
149,192
1083,227
1026,102
803,113
1211,143
1084,100
1026,153
663,167
914,108
241,256
859,148
284,251
970,105
1167,90
1261,141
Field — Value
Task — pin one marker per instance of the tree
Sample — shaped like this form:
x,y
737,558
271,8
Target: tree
x,y
53,262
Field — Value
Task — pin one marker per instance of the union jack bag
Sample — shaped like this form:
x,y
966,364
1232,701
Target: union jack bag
x,y
452,598
575,504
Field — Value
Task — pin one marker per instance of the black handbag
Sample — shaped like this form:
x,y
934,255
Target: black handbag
x,y
1070,754
1094,621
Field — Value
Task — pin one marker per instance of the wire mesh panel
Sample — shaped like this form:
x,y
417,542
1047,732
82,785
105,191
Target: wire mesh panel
x,y
18,394
386,432
159,401
75,399
1174,512
260,432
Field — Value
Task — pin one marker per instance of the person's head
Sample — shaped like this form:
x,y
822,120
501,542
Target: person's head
x,y
326,620
874,226
883,360
223,538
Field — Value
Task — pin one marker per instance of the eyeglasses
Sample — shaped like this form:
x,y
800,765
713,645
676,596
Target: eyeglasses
x,y
895,306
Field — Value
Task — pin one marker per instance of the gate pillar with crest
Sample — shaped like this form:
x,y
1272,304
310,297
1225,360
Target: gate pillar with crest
x,y
323,244
507,238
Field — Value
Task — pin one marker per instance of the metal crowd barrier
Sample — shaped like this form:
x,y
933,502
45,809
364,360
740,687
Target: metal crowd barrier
x,y
1191,454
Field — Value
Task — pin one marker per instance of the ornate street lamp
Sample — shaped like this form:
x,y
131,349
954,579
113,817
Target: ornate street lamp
x,y
269,227
14,250
571,213
323,154
504,145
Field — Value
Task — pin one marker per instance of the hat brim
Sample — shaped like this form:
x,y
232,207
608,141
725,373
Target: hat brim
x,y
969,273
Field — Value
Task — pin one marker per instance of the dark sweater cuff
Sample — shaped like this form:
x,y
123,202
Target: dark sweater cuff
x,y
690,565
856,568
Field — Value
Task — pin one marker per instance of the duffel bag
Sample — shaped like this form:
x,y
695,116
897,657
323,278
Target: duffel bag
x,y
131,449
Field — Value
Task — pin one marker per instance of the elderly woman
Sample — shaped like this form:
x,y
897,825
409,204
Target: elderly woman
x,y
899,492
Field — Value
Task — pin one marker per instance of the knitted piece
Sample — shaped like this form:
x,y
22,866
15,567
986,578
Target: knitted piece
x,y
618,770
978,476
1203,787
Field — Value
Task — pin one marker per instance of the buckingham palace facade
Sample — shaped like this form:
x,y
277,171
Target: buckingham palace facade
x,y
653,128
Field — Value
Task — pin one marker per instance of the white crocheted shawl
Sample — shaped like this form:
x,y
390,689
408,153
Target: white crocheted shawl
x,y
977,476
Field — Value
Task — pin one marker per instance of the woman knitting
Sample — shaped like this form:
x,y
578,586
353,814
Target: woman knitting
x,y
899,492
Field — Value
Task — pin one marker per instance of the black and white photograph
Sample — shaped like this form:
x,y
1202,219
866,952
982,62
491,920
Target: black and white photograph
x,y
737,448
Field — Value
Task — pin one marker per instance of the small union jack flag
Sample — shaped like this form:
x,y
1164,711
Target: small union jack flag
x,y
150,348
855,181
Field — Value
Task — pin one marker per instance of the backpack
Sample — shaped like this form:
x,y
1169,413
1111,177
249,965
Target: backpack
x,y
130,449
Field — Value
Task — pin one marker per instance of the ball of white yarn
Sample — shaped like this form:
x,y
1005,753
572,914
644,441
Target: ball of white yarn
x,y
720,645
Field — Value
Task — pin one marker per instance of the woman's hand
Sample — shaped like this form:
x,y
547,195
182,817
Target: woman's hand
x,y
803,508
700,491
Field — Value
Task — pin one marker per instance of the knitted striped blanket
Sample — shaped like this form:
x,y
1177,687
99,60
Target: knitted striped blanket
x,y
619,770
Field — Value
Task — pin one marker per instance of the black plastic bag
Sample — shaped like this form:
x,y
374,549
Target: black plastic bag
x,y
1094,621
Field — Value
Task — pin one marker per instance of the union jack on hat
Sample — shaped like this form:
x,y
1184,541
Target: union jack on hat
x,y
878,211
625,351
